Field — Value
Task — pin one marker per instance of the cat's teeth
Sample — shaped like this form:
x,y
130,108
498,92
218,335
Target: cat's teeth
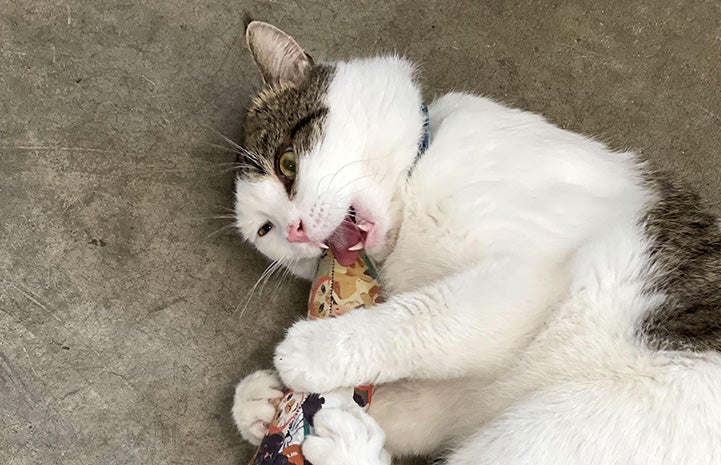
x,y
358,246
364,227
323,246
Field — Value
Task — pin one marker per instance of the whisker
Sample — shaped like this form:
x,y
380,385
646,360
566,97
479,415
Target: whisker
x,y
330,184
237,149
352,181
284,275
253,289
344,197
230,169
250,154
227,164
228,216
221,229
232,150
357,215
227,139
278,266
335,196
205,219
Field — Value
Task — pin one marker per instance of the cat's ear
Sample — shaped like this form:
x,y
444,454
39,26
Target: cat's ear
x,y
280,59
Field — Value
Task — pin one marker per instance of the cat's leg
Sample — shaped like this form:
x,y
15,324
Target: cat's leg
x,y
557,428
345,435
640,422
256,398
475,321
561,427
636,421
420,417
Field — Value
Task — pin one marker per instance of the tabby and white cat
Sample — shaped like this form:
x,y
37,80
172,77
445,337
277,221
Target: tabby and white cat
x,y
550,301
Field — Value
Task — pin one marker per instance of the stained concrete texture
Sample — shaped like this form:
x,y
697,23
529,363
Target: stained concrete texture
x,y
123,319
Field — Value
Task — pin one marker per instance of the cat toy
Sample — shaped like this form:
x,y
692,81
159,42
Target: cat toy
x,y
337,289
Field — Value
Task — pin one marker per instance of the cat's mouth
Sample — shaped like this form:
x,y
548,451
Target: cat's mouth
x,y
350,237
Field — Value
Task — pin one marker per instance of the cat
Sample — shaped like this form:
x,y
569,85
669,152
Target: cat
x,y
549,300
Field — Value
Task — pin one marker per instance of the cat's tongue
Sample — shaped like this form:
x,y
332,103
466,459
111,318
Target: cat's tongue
x,y
346,236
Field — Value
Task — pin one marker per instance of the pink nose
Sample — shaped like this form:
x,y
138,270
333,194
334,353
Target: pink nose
x,y
296,232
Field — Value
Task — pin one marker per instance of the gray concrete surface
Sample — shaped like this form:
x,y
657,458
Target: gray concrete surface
x,y
121,323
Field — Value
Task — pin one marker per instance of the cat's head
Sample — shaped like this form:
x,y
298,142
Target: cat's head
x,y
326,150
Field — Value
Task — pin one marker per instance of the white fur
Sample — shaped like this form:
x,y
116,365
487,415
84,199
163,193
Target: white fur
x,y
345,434
514,265
254,403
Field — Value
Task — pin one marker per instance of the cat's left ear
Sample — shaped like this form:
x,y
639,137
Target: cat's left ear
x,y
280,59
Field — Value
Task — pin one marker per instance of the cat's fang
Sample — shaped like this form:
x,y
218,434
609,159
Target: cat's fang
x,y
358,246
323,246
364,226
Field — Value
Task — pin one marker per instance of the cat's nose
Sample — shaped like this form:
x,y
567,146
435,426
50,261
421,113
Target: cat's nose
x,y
296,232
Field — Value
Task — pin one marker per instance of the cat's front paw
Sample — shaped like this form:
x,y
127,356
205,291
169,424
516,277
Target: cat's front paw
x,y
256,398
314,357
345,437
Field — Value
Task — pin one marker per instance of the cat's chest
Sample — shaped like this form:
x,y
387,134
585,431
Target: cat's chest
x,y
428,248
452,225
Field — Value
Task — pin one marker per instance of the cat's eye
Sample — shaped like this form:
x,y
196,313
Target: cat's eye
x,y
265,229
287,164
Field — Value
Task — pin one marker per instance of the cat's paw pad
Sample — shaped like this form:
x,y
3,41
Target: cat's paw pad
x,y
256,398
345,437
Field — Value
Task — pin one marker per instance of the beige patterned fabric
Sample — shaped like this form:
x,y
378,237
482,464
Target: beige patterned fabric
x,y
338,289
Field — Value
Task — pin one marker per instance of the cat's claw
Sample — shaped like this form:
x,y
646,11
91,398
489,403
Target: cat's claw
x,y
345,436
256,398
311,359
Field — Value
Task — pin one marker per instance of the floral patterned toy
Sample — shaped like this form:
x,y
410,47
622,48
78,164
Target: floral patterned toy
x,y
337,289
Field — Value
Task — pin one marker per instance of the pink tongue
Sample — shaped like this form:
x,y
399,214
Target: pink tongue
x,y
347,235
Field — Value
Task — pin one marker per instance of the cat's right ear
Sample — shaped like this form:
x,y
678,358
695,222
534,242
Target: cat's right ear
x,y
280,59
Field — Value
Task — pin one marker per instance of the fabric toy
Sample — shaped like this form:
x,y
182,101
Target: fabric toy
x,y
336,290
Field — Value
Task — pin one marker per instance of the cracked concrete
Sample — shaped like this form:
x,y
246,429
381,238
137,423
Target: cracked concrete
x,y
122,322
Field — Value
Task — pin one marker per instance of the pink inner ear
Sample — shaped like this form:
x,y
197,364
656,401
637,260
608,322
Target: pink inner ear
x,y
280,59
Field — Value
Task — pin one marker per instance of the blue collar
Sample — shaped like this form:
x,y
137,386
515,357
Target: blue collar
x,y
425,138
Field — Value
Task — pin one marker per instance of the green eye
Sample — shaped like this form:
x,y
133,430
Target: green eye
x,y
287,164
265,229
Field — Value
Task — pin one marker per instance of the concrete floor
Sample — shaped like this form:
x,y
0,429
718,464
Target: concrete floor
x,y
121,322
